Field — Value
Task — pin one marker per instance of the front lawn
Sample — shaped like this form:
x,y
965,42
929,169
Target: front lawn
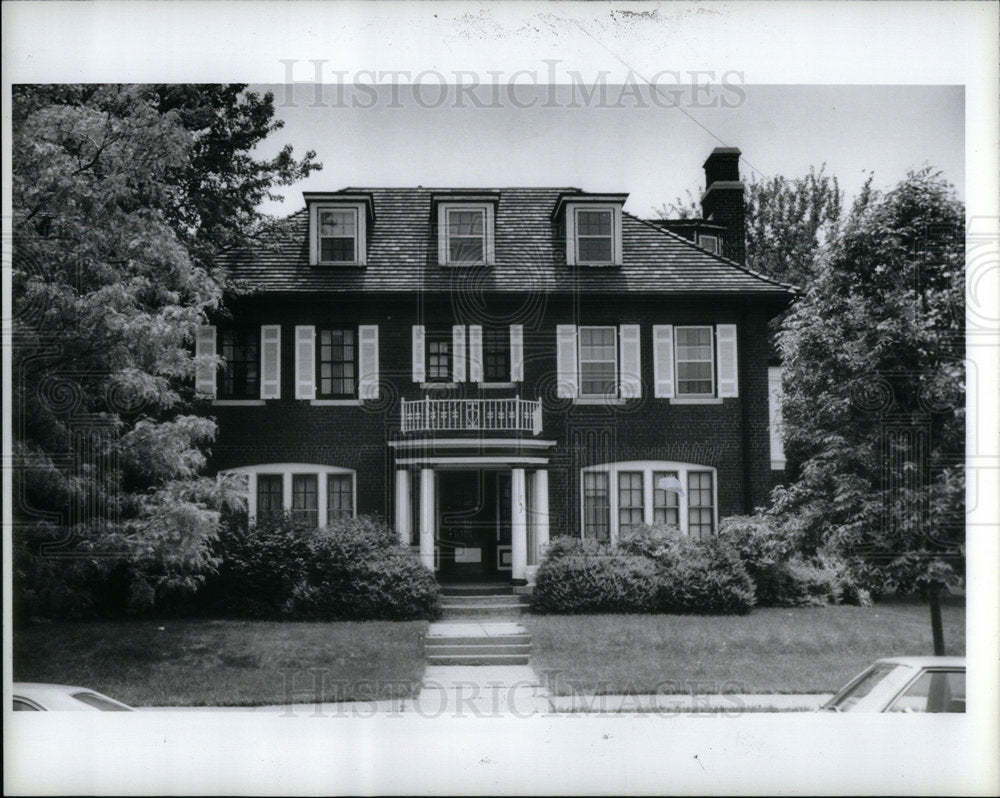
x,y
803,650
225,663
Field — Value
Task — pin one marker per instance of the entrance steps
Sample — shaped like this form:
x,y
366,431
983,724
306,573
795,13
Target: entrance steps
x,y
484,605
476,643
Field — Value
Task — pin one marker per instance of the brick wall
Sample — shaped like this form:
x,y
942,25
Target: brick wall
x,y
732,436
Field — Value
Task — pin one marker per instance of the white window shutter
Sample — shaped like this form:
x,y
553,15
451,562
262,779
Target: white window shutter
x,y
418,353
442,220
458,353
516,353
566,386
270,361
728,372
368,361
631,370
305,362
663,361
475,353
205,373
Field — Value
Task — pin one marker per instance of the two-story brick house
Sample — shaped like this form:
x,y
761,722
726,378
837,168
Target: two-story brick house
x,y
487,368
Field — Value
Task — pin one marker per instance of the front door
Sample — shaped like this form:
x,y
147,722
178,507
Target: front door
x,y
467,525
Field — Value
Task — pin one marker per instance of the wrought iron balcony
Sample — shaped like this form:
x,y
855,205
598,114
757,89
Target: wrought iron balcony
x,y
490,415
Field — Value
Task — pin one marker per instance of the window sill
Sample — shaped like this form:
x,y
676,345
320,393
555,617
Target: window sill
x,y
490,385
334,264
696,400
464,265
238,402
429,386
335,402
598,400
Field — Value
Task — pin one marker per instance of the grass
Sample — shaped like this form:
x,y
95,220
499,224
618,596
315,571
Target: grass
x,y
803,650
225,662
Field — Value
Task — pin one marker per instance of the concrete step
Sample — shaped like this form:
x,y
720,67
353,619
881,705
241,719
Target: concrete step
x,y
478,659
477,640
473,648
485,599
482,611
476,590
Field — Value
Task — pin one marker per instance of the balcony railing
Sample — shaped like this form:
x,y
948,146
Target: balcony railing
x,y
491,415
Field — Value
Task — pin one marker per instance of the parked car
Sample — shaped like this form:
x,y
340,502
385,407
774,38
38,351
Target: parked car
x,y
904,684
35,697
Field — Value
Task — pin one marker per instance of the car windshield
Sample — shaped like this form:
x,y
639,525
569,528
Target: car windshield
x,y
100,702
862,687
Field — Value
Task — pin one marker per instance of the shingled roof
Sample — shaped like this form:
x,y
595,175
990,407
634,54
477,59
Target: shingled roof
x,y
530,256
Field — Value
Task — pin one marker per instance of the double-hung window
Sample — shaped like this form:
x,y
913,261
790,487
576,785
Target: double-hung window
x,y
594,236
465,233
695,361
666,509
336,363
338,235
598,360
240,348
314,494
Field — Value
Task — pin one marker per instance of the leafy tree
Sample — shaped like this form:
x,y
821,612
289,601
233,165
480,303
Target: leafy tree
x,y
120,196
874,388
788,219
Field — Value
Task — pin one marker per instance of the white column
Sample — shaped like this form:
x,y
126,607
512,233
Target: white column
x,y
518,524
427,513
403,512
541,512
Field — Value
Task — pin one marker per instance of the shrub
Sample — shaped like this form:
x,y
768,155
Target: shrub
x,y
355,573
590,582
703,576
353,570
259,567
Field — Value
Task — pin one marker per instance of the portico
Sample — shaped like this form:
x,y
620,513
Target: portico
x,y
473,514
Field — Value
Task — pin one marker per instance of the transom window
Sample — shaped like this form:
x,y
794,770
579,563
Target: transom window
x,y
338,235
598,361
694,357
594,236
629,499
337,363
596,507
240,348
339,497
496,354
305,499
439,357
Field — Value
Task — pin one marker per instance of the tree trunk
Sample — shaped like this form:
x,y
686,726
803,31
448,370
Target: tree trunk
x,y
936,630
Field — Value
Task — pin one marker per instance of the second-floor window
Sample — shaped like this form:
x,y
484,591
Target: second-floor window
x,y
336,362
439,354
240,377
598,361
695,361
496,354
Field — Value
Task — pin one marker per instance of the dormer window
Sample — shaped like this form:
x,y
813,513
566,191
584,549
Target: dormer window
x,y
338,232
465,234
593,227
710,243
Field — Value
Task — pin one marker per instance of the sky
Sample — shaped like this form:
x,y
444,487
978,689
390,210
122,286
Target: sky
x,y
615,138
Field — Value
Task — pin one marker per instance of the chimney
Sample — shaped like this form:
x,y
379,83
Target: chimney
x,y
722,202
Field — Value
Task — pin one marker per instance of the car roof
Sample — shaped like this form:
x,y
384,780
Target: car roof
x,y
925,662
